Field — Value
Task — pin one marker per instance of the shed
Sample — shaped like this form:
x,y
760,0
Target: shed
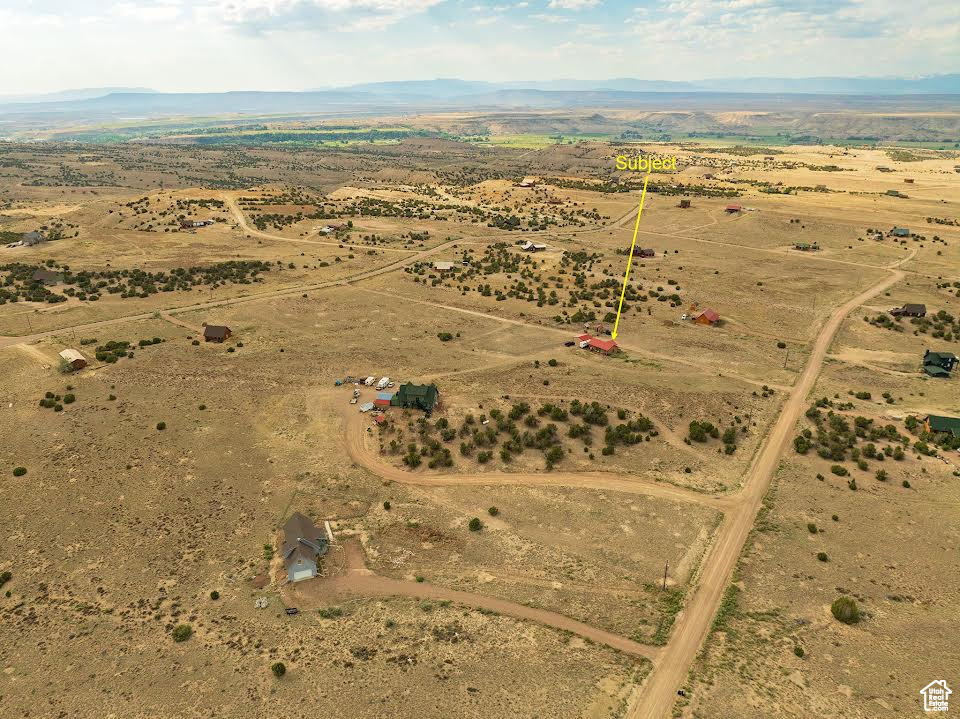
x,y
942,425
684,204
648,252
443,266
900,232
303,545
383,399
74,359
733,208
416,396
216,333
379,419
366,406
908,180
707,317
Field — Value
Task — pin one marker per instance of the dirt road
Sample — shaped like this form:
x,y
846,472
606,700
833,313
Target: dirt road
x,y
357,581
659,692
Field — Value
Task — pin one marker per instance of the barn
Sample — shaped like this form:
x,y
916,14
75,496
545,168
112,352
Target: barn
x,y
383,399
416,396
74,359
733,208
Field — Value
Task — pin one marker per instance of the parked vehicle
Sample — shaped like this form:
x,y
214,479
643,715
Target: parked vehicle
x,y
292,610
353,400
571,343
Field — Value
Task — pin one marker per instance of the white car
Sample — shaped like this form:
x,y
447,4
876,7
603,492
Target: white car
x,y
684,316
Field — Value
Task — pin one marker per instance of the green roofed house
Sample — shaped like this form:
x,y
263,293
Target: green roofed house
x,y
416,396
942,425
939,364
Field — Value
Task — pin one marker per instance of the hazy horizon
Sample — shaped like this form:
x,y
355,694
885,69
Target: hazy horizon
x,y
294,45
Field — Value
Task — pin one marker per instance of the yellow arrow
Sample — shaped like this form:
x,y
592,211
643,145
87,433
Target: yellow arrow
x,y
626,276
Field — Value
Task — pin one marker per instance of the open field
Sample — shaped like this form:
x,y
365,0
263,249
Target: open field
x,y
558,534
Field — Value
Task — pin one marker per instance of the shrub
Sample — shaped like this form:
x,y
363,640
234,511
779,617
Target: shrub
x,y
822,556
386,505
812,527
798,650
475,524
881,475
112,397
202,407
839,470
444,336
906,484
161,426
69,399
552,363
782,345
278,669
852,484
493,511
182,632
214,595
5,577
845,610
419,579
19,471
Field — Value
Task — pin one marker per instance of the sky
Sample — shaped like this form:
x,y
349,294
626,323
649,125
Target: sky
x,y
217,45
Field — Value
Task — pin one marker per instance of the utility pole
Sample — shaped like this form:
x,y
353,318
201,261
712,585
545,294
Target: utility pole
x,y
665,567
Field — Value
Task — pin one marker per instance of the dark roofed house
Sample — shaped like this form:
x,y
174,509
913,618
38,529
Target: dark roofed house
x,y
648,252
47,277
942,425
32,238
303,544
939,364
909,310
684,204
900,231
216,333
416,396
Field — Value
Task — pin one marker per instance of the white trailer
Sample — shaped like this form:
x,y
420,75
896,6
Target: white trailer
x,y
369,381
366,406
382,384
584,345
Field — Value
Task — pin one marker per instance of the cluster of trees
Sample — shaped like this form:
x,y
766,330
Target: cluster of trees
x,y
836,437
17,283
702,431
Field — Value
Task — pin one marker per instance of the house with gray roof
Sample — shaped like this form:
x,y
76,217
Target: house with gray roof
x,y
303,545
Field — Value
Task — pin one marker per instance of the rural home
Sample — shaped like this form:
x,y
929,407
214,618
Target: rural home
x,y
47,277
30,239
190,224
602,346
909,310
416,396
327,229
900,231
807,246
216,333
908,180
733,208
532,247
444,266
303,544
707,317
527,182
684,204
648,252
936,424
939,364
74,359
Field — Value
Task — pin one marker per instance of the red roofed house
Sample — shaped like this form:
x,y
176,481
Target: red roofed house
x,y
584,338
707,317
604,346
734,208
379,419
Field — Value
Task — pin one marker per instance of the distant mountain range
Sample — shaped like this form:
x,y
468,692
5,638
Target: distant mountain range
x,y
102,104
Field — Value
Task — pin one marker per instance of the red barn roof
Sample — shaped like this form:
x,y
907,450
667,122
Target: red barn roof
x,y
710,315
734,208
585,338
603,345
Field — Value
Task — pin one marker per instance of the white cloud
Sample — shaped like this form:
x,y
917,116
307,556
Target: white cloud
x,y
572,4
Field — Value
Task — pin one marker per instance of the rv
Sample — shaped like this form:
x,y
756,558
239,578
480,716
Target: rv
x,y
382,384
369,381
